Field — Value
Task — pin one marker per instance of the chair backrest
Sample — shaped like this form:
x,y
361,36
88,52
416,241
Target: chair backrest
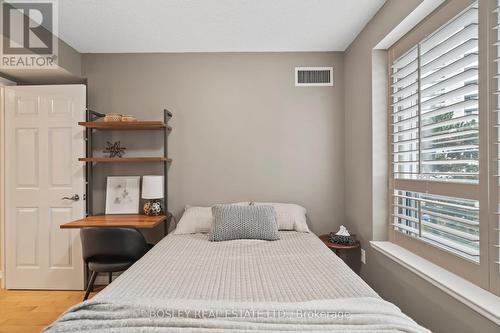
x,y
100,244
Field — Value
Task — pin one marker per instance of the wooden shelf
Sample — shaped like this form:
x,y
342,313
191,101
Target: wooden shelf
x,y
124,159
138,221
133,125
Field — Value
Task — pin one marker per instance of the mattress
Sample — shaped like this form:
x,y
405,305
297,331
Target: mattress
x,y
298,267
188,273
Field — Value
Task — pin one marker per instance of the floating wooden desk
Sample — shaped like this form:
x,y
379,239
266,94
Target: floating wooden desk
x,y
137,221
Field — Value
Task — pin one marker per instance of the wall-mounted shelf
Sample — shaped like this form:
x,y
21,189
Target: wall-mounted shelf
x,y
124,159
93,123
135,125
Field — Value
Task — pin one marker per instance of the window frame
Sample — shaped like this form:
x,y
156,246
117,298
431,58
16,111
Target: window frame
x,y
492,19
483,273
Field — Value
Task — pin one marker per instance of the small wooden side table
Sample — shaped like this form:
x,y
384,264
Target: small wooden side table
x,y
337,247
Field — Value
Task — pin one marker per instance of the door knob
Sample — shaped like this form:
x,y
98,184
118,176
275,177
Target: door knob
x,y
75,197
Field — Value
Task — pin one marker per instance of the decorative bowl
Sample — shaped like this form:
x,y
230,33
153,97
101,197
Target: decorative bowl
x,y
128,118
112,117
339,239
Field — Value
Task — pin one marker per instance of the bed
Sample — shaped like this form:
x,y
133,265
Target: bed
x,y
189,284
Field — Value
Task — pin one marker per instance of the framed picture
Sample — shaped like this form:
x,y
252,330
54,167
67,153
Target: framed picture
x,y
122,195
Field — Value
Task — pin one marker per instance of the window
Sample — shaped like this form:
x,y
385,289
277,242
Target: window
x,y
440,189
435,135
447,222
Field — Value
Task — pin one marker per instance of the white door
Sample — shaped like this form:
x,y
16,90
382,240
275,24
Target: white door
x,y
43,142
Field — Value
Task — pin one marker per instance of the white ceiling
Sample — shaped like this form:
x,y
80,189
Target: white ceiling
x,y
131,26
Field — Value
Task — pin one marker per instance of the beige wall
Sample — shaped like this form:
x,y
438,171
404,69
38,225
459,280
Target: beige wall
x,y
241,129
419,299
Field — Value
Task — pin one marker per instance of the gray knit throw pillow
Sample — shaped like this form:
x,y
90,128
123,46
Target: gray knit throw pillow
x,y
243,222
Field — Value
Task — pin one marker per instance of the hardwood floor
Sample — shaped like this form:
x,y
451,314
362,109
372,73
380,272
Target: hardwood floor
x,y
27,311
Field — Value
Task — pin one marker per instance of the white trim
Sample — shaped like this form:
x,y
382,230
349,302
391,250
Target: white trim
x,y
478,299
3,83
2,182
408,23
297,69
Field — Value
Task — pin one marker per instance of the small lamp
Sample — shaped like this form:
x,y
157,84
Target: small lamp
x,y
152,191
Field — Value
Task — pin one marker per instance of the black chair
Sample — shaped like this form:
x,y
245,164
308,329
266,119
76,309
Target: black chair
x,y
108,250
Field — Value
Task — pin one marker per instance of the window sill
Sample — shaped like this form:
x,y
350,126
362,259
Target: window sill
x,y
478,299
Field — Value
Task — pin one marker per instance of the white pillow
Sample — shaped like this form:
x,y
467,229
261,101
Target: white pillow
x,y
194,220
289,216
197,219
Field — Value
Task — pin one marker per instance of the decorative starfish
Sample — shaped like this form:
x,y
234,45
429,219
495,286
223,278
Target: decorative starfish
x,y
114,149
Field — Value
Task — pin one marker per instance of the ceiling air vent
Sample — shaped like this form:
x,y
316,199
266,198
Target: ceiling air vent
x,y
313,76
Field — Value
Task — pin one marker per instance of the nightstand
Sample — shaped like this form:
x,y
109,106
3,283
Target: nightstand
x,y
337,247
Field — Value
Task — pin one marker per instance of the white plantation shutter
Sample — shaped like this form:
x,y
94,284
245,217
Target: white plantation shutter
x,y
435,105
449,223
435,138
405,98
